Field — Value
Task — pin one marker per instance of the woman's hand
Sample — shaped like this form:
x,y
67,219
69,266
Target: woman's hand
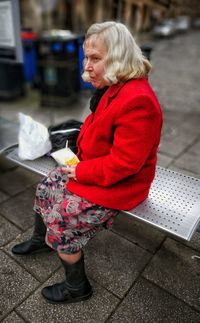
x,y
70,171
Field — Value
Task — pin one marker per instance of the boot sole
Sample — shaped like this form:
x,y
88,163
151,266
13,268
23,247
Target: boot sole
x,y
69,301
33,252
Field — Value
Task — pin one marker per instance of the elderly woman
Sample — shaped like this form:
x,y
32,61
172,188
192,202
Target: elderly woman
x,y
117,149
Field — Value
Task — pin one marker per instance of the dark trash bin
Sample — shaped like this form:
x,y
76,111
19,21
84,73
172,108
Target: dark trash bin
x,y
58,67
146,50
29,39
11,80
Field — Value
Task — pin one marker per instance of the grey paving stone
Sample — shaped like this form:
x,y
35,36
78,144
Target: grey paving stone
x,y
142,235
189,162
16,284
173,269
97,309
148,303
13,318
183,171
174,119
19,209
26,104
192,124
3,196
195,149
40,265
170,129
78,110
171,148
179,132
6,164
7,231
164,160
177,93
175,146
17,180
114,262
194,243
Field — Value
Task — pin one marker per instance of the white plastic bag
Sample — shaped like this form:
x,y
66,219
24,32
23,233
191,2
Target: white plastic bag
x,y
33,138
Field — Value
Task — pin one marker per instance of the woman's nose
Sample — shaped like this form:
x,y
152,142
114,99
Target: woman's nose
x,y
88,66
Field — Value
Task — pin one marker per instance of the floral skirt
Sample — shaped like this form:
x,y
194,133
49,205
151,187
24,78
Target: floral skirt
x,y
71,220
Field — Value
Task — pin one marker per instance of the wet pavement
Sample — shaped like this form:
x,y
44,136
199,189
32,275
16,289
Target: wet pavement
x,y
138,273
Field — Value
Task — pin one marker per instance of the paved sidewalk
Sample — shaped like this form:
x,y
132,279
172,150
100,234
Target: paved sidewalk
x,y
139,275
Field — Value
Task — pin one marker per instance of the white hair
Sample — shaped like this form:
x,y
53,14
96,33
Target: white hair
x,y
124,59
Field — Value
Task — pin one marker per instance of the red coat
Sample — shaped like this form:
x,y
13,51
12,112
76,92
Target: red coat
x,y
118,147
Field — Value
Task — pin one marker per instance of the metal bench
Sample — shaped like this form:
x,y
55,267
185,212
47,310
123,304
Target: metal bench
x,y
173,204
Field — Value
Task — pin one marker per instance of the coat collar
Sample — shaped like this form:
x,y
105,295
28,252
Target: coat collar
x,y
114,89
108,96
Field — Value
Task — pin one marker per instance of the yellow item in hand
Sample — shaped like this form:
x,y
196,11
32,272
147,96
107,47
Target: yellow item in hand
x,y
71,162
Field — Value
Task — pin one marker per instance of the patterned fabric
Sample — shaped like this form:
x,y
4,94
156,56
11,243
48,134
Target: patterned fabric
x,y
71,220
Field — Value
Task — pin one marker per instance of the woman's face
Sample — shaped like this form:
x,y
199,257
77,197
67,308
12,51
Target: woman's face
x,y
95,57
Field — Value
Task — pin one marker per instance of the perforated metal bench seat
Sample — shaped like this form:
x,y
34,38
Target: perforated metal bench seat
x,y
173,204
41,166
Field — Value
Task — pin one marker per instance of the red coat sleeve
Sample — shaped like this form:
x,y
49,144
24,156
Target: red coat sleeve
x,y
135,134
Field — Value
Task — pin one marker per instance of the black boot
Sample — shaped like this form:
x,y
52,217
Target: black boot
x,y
75,288
36,243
